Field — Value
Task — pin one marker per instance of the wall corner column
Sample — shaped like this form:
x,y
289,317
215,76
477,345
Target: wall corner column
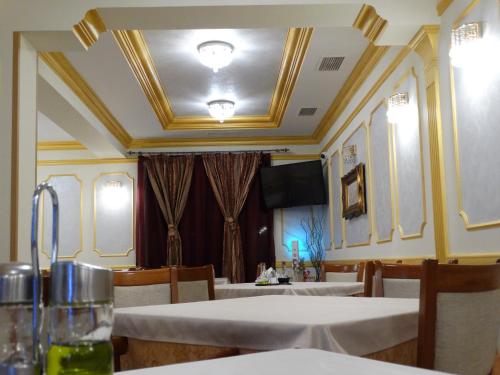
x,y
426,45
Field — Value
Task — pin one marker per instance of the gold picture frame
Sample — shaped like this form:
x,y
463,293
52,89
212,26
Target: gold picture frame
x,y
354,192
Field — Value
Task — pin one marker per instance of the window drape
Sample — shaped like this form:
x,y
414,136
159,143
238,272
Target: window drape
x,y
231,176
170,178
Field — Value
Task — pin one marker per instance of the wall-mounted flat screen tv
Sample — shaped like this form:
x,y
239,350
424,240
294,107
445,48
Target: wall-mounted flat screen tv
x,y
291,185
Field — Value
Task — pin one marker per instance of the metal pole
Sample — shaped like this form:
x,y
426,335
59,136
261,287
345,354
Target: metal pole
x,y
139,153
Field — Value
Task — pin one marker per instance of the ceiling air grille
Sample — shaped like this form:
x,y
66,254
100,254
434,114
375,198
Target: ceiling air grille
x,y
307,111
331,64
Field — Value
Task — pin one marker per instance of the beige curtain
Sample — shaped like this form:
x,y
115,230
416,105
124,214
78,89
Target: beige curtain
x,y
231,176
170,178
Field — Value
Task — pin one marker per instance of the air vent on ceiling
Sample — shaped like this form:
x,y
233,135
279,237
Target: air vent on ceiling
x,y
307,111
330,64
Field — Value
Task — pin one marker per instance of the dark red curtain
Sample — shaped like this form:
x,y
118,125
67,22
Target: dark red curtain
x,y
202,225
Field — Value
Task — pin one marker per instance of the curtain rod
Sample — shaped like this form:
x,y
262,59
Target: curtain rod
x,y
139,153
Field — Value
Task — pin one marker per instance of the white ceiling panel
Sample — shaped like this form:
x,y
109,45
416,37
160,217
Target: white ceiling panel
x,y
48,130
249,80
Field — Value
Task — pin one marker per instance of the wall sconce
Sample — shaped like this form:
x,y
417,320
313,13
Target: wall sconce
x,y
350,153
398,107
465,41
114,194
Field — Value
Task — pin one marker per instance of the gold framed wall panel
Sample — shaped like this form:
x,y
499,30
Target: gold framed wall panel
x,y
367,188
333,203
100,252
42,208
136,51
371,168
409,74
456,144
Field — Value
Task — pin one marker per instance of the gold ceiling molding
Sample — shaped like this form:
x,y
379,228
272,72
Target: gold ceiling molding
x,y
370,23
442,6
295,157
221,141
59,146
89,28
135,50
368,61
63,68
384,76
48,163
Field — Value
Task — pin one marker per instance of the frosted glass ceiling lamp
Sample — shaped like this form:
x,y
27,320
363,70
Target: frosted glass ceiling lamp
x,y
398,107
216,54
221,109
465,44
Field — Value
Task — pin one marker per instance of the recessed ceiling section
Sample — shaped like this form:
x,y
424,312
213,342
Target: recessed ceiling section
x,y
48,130
249,81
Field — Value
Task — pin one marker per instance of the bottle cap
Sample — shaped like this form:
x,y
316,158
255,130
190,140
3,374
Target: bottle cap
x,y
16,283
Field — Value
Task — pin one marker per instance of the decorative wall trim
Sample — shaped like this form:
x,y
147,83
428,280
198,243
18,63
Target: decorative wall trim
x,y
364,67
14,177
68,74
370,23
426,44
410,73
442,6
59,146
46,163
367,182
101,253
135,50
89,28
371,170
295,157
77,251
385,75
475,258
465,12
220,141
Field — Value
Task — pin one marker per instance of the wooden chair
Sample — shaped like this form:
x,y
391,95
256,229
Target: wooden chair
x,y
459,318
453,261
342,272
195,284
141,288
369,273
395,280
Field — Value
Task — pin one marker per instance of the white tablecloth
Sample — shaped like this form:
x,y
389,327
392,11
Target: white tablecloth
x,y
286,362
357,325
296,289
221,281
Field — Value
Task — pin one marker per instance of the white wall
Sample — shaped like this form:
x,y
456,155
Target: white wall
x,y
104,237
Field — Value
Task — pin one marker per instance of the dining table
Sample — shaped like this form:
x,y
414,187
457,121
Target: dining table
x,y
286,362
294,288
378,328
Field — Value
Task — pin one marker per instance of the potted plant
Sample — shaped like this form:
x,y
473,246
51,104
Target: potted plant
x,y
313,227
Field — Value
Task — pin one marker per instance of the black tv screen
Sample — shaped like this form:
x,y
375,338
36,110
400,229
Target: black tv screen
x,y
291,185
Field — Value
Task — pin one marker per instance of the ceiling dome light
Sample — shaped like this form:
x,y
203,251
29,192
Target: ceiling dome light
x,y
216,54
221,109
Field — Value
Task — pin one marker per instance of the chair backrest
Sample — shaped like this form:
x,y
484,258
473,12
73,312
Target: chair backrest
x,y
459,320
145,287
195,284
342,272
396,280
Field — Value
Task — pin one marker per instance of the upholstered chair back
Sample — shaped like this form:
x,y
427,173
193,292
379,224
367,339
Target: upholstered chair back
x,y
144,287
459,318
195,284
342,272
396,280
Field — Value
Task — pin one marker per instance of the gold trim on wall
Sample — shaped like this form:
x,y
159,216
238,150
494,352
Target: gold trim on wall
x,y
367,182
59,146
442,6
100,252
136,51
42,208
410,73
46,163
89,28
364,67
295,157
69,75
14,174
458,181
379,240
370,23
